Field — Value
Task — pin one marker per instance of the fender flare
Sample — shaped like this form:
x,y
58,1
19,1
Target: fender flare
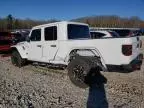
x,y
21,51
94,51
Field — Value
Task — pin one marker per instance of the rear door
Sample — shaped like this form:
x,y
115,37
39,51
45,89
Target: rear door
x,y
50,44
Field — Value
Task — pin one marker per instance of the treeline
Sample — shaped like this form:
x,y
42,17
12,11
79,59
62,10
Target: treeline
x,y
112,21
9,22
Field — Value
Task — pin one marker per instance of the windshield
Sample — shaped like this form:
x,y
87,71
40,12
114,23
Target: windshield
x,y
78,31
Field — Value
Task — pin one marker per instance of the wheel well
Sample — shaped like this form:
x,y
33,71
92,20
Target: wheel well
x,y
87,53
20,51
81,52
72,54
13,49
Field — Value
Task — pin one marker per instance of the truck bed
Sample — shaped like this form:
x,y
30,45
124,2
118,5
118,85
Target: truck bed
x,y
109,49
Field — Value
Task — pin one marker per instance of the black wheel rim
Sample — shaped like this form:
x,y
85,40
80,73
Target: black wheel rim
x,y
78,73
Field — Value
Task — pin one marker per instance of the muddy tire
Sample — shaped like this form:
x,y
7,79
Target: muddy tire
x,y
16,59
78,69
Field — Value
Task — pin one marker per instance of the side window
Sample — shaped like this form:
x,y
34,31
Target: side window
x,y
36,35
50,33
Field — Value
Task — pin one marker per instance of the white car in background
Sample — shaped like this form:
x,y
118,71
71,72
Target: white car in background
x,y
104,34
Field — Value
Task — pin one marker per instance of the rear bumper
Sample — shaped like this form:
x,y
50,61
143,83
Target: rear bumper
x,y
135,64
132,66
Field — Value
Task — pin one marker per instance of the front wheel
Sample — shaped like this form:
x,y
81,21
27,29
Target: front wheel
x,y
16,59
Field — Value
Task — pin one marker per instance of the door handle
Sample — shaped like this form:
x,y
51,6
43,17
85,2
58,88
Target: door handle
x,y
53,45
39,46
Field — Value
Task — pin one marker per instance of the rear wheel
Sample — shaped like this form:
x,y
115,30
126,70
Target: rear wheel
x,y
16,59
82,71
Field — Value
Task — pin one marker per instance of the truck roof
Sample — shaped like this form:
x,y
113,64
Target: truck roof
x,y
61,22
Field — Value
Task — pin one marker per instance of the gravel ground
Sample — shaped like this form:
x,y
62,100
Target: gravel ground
x,y
32,87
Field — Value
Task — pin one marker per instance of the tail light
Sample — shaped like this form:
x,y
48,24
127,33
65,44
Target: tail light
x,y
140,44
127,50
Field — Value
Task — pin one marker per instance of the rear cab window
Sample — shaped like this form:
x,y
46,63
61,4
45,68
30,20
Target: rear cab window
x,y
76,31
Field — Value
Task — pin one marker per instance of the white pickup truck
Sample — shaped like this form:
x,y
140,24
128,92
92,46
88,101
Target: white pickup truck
x,y
69,44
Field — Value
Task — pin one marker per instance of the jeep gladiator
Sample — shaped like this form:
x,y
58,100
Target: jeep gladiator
x,y
69,44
